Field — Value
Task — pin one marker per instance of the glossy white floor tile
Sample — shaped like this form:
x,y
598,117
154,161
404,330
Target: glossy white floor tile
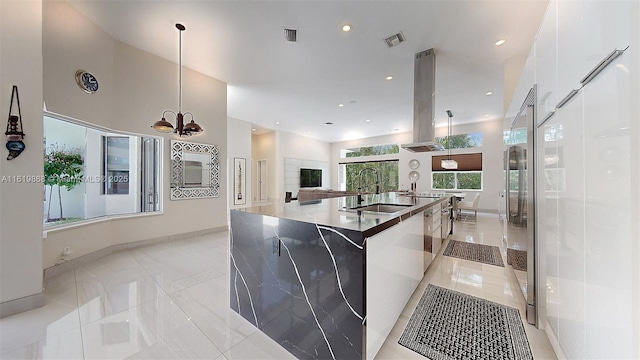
x,y
171,300
156,329
493,283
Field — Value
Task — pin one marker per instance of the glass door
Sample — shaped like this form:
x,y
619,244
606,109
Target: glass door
x,y
150,198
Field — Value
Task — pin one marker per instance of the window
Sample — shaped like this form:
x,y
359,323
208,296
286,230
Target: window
x,y
370,151
457,180
461,141
515,136
91,172
468,176
387,170
116,164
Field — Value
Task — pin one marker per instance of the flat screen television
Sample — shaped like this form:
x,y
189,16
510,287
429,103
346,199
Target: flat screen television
x,y
310,178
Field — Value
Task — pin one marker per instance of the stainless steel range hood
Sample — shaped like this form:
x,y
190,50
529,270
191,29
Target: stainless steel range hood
x,y
424,87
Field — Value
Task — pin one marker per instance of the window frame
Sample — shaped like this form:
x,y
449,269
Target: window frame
x,y
455,179
104,218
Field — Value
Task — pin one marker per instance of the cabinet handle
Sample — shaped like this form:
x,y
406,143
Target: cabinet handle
x,y
566,99
445,210
603,64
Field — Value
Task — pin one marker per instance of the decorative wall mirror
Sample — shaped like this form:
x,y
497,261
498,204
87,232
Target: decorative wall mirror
x,y
195,170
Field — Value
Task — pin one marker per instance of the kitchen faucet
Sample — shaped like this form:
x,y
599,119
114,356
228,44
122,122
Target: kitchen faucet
x,y
359,198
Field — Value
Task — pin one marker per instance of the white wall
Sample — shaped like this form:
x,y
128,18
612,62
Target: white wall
x,y
313,152
292,168
239,145
492,151
589,278
275,146
135,87
21,203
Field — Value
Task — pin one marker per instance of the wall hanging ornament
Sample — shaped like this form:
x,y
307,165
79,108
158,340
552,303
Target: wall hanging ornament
x,y
14,131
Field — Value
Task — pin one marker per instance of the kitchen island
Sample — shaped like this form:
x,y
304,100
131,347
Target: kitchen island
x,y
327,279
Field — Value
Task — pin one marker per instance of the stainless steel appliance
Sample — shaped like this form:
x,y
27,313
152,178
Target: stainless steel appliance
x,y
520,207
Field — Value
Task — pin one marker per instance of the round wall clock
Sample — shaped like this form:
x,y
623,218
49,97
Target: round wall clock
x,y
86,81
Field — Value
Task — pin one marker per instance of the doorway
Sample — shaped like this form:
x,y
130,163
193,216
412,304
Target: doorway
x,y
262,180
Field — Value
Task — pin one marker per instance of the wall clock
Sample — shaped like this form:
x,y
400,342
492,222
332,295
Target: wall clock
x,y
86,81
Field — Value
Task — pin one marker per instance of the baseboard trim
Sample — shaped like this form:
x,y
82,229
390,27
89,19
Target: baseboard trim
x,y
93,256
23,304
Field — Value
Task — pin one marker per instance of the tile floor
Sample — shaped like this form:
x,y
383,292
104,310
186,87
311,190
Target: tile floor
x,y
171,300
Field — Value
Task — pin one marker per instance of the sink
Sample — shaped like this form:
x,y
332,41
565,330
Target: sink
x,y
382,208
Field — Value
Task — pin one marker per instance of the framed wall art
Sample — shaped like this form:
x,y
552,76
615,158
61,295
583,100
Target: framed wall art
x,y
239,181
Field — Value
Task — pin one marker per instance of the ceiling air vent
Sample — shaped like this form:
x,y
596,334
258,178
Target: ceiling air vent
x,y
290,35
394,40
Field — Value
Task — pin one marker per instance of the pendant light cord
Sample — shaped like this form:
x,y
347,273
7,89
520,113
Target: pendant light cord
x,y
180,72
449,135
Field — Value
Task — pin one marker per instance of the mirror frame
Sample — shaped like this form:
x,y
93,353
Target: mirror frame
x,y
179,192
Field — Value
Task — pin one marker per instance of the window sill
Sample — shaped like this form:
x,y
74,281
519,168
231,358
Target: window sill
x,y
82,223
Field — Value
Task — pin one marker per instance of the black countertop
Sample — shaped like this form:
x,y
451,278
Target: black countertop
x,y
334,212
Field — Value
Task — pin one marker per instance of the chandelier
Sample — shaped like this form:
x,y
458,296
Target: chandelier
x,y
182,129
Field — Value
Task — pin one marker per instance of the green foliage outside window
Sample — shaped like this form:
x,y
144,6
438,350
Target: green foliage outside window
x,y
469,181
451,180
461,141
372,150
62,168
444,180
388,171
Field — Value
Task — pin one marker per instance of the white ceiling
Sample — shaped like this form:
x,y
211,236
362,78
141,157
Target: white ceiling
x,y
301,84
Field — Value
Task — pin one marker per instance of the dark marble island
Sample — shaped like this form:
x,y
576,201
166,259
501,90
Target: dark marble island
x,y
325,281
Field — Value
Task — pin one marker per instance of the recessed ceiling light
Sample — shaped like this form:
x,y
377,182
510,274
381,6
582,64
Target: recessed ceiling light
x,y
277,122
368,120
501,42
340,105
346,27
390,77
308,132
489,93
253,129
486,115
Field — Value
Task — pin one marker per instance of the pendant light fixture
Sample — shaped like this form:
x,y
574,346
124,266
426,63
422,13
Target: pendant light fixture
x,y
449,163
181,129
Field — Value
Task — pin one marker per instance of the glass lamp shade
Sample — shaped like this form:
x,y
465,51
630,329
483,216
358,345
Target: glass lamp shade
x,y
162,126
449,164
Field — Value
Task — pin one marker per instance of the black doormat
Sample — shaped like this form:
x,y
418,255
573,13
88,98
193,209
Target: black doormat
x,y
517,259
450,325
485,254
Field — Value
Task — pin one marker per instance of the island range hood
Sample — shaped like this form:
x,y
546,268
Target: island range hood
x,y
424,87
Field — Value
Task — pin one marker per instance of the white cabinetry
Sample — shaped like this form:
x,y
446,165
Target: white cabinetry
x,y
394,261
587,196
436,238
